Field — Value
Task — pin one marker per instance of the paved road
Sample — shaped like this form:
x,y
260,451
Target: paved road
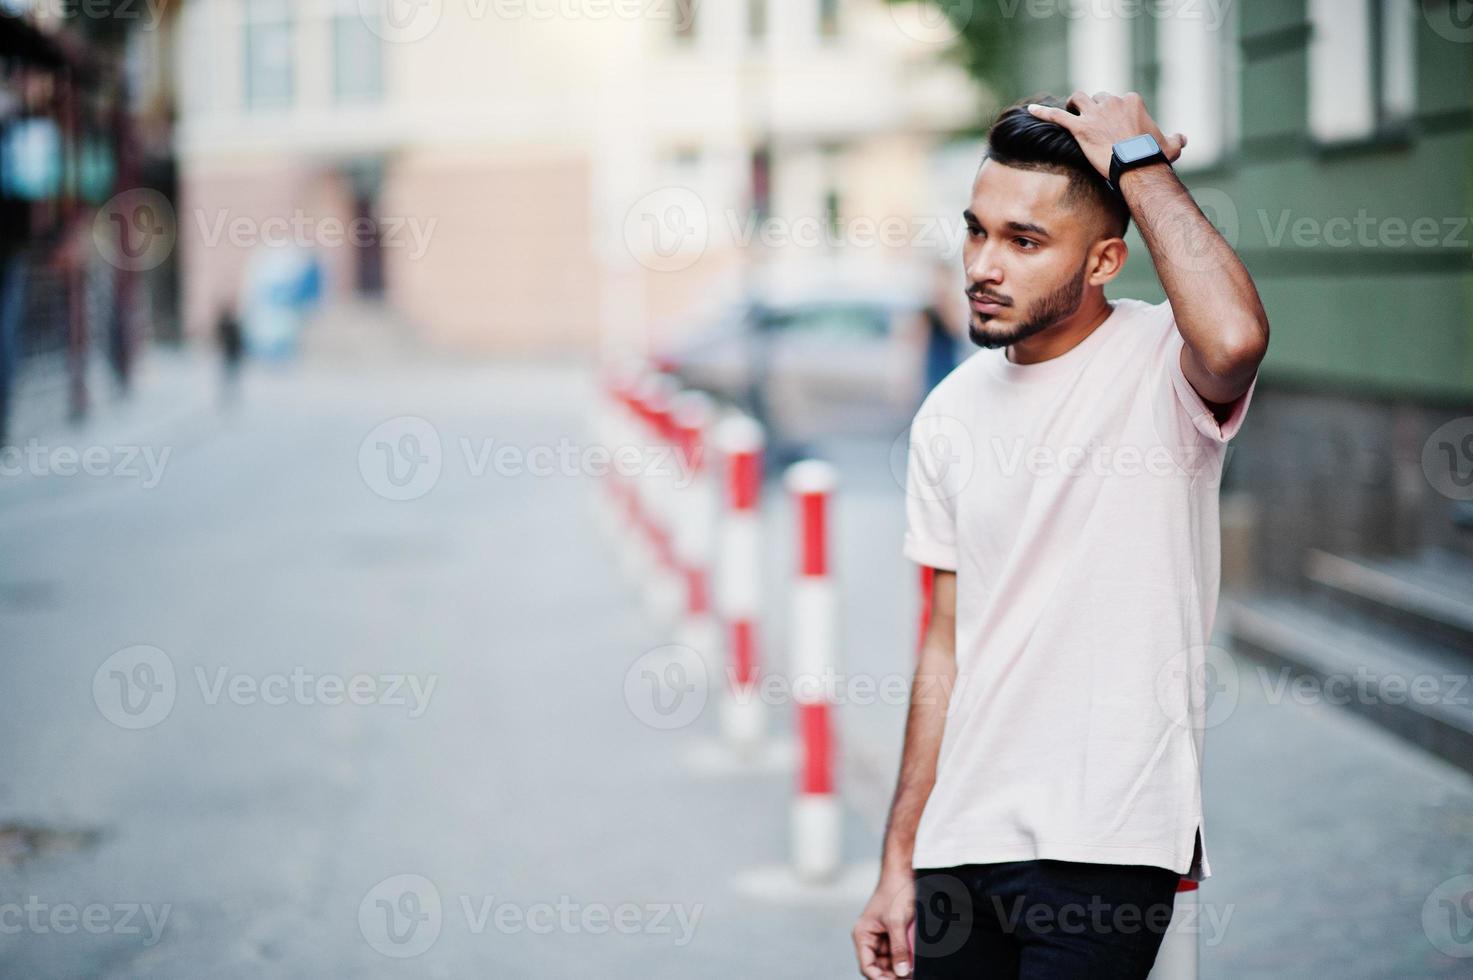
x,y
563,836
261,823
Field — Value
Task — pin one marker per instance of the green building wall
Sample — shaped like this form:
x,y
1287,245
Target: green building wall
x,y
1384,319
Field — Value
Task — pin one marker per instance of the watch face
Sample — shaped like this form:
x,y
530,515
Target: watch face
x,y
1136,148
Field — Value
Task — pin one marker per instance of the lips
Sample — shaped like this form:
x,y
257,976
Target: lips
x,y
988,304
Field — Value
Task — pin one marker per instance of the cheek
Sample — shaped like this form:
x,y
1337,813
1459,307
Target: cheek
x,y
970,248
1043,274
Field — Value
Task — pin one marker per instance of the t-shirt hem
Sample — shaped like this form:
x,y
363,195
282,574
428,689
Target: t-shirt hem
x,y
1203,419
951,857
933,556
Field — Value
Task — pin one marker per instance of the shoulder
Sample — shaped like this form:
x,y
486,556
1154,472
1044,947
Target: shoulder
x,y
1147,329
1140,315
960,387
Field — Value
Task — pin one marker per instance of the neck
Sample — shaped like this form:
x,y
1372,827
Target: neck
x,y
1062,336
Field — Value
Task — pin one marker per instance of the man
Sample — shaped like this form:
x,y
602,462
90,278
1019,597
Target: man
x,y
1063,485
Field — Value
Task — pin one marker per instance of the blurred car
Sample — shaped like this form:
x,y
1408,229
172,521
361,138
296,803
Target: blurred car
x,y
811,366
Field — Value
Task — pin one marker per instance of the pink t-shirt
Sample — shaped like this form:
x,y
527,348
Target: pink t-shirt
x,y
1077,501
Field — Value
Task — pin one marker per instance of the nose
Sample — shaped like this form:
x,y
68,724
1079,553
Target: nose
x,y
982,266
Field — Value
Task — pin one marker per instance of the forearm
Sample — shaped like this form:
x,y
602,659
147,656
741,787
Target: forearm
x,y
929,700
1215,302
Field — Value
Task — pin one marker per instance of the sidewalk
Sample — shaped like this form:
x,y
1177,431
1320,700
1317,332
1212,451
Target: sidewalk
x,y
528,788
174,403
529,783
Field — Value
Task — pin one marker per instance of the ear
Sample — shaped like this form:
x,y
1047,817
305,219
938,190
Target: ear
x,y
1106,258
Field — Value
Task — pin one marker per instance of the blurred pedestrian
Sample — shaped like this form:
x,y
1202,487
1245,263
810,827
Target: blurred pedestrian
x,y
940,321
12,309
231,341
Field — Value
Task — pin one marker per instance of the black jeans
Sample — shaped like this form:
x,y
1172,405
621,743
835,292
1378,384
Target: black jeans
x,y
1041,920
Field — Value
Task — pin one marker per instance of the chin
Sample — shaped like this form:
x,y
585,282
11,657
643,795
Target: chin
x,y
984,334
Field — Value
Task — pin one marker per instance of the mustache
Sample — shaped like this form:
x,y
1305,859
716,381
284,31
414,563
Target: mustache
x,y
983,296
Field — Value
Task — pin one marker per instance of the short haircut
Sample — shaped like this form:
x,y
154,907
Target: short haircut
x,y
1021,140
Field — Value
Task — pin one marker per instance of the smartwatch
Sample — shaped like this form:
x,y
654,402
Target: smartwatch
x,y
1138,151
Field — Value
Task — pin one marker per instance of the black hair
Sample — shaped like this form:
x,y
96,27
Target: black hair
x,y
1021,140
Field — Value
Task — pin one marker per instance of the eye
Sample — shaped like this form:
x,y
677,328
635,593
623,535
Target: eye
x,y
1026,244
975,231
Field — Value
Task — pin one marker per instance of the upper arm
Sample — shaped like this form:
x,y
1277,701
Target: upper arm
x,y
1214,404
941,629
938,455
1216,391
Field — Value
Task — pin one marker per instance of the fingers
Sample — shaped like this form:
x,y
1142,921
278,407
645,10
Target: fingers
x,y
898,927
1049,114
1173,145
869,941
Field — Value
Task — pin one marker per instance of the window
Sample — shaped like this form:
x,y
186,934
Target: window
x,y
762,182
756,19
685,20
828,18
1099,49
1196,93
1398,64
357,53
270,53
831,157
685,166
1232,74
1361,67
837,323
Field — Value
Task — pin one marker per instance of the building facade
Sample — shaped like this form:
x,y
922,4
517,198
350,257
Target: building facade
x,y
549,177
1330,142
79,129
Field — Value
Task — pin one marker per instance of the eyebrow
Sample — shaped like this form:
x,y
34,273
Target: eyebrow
x,y
1016,226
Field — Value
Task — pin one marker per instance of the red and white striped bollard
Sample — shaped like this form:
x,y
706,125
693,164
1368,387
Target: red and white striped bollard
x,y
740,442
817,820
658,500
695,518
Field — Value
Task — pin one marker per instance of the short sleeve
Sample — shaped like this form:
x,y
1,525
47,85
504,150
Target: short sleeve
x,y
937,452
1198,411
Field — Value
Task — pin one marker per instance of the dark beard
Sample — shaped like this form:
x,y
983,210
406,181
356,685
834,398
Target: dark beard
x,y
1061,303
